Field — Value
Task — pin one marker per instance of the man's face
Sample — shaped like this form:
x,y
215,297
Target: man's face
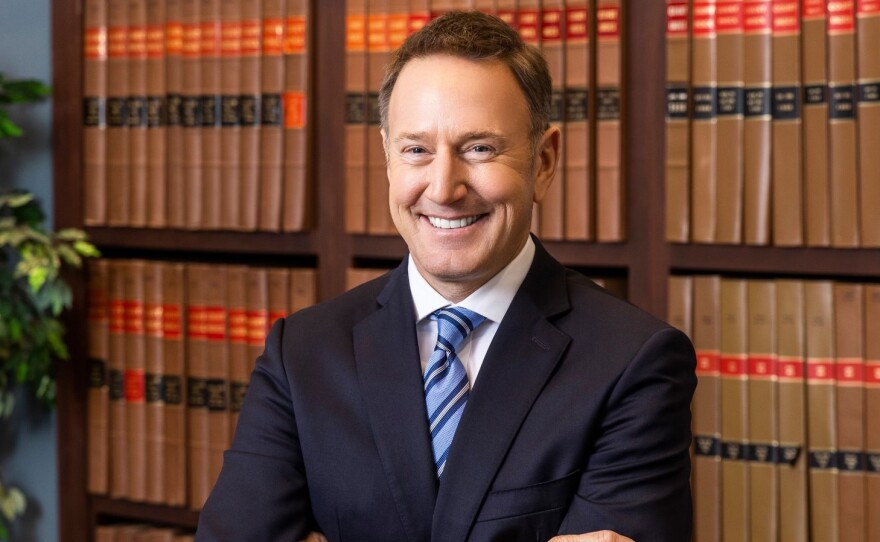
x,y
462,173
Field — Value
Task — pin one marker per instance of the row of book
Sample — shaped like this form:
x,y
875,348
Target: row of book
x,y
171,349
785,415
195,114
773,122
586,199
139,533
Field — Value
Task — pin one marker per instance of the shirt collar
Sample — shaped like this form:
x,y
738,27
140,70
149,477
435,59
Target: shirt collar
x,y
490,300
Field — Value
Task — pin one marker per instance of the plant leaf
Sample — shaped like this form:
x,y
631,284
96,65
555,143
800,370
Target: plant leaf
x,y
86,249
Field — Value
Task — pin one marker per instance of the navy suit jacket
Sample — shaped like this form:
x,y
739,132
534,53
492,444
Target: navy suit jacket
x,y
579,421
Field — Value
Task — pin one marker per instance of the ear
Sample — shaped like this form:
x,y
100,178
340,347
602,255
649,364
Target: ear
x,y
546,161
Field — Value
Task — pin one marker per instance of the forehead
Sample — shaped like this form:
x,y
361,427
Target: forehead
x,y
444,89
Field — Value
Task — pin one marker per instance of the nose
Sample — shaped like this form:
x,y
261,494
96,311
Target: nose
x,y
447,178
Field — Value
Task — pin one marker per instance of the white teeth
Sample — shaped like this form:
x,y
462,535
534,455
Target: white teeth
x,y
452,224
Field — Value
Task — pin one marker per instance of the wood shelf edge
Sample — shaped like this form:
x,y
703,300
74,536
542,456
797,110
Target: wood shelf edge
x,y
106,507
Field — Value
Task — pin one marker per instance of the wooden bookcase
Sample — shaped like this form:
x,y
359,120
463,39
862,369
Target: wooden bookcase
x,y
645,259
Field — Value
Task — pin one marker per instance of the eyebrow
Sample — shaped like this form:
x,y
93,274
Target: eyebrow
x,y
467,136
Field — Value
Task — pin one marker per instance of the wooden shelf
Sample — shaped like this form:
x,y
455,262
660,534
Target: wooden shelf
x,y
214,242
150,513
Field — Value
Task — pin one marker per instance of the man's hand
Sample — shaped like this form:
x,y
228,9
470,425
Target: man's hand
x,y
598,536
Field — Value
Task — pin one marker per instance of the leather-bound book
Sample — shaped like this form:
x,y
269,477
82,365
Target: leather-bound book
x,y
99,389
814,51
356,116
175,196
174,382
239,360
137,112
249,102
553,47
680,311
271,116
868,114
135,378
278,281
95,111
154,354
872,407
157,112
217,353
704,126
303,288
378,55
231,189
257,314
485,6
197,361
116,366
678,56
210,102
610,186
508,11
118,150
576,179
191,112
528,24
296,214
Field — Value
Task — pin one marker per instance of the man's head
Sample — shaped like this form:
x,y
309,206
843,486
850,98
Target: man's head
x,y
465,159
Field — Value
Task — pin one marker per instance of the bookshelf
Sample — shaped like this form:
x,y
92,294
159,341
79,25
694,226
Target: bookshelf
x,y
645,259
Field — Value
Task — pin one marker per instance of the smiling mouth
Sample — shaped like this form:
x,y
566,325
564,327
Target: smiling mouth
x,y
454,224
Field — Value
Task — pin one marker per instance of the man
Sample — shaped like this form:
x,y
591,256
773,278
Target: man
x,y
542,404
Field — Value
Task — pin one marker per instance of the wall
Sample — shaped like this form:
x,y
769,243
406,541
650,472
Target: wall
x,y
27,442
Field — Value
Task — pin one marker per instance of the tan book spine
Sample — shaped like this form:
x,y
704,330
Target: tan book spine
x,y
485,6
137,112
792,457
842,129
817,219
356,115
418,16
278,281
297,208
198,427
230,62
135,379
868,36
706,477
729,172
173,385
271,116
257,315
681,303
99,389
118,149
239,364
378,55
508,11
175,187
553,47
303,288
212,114
849,338
757,128
157,151
677,160
735,487
610,186
528,24
116,366
105,533
438,7
821,410
95,111
575,180
217,349
704,126
763,405
250,84
787,174
183,538
155,369
872,407
191,112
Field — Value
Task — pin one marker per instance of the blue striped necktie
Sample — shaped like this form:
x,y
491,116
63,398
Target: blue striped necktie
x,y
445,380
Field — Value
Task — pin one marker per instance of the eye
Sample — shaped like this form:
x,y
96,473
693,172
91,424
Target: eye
x,y
482,149
415,150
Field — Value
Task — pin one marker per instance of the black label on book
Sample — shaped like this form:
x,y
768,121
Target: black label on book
x,y
676,102
577,104
97,373
373,113
608,103
249,105
236,393
211,113
137,111
191,112
705,103
355,108
757,102
156,111
172,394
788,455
154,388
786,103
730,101
117,112
174,107
814,95
762,452
557,105
869,92
230,107
216,395
197,392
735,451
707,446
851,461
117,388
271,110
94,111
872,463
823,459
843,102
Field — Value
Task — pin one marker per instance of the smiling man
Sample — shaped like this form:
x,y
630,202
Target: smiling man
x,y
480,391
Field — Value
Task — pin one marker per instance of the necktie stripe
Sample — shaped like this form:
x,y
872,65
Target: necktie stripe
x,y
449,402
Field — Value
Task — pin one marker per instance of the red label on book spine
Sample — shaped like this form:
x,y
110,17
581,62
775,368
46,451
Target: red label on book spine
x,y
551,25
273,37
155,41
275,315
735,366
841,16
171,322
576,23
704,19
294,110
786,19
215,323
763,367
813,9
134,317
250,38
258,326
97,305
608,22
509,17
210,42
417,21
757,17
869,7
729,17
153,320
377,32
95,43
135,386
676,18
872,373
137,42
192,40
230,39
398,29
820,371
528,25
850,372
117,42
790,369
708,363
238,325
173,38
295,40
195,324
117,316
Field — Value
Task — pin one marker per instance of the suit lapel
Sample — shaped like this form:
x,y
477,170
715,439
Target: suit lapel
x,y
387,360
522,357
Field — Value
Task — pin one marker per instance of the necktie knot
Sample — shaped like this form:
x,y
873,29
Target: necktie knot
x,y
454,324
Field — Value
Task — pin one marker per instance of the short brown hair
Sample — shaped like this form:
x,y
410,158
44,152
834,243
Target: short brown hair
x,y
476,36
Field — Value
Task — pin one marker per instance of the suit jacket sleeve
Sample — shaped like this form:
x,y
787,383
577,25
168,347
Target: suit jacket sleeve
x,y
636,481
261,493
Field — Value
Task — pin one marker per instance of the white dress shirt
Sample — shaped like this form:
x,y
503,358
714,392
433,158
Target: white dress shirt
x,y
490,300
